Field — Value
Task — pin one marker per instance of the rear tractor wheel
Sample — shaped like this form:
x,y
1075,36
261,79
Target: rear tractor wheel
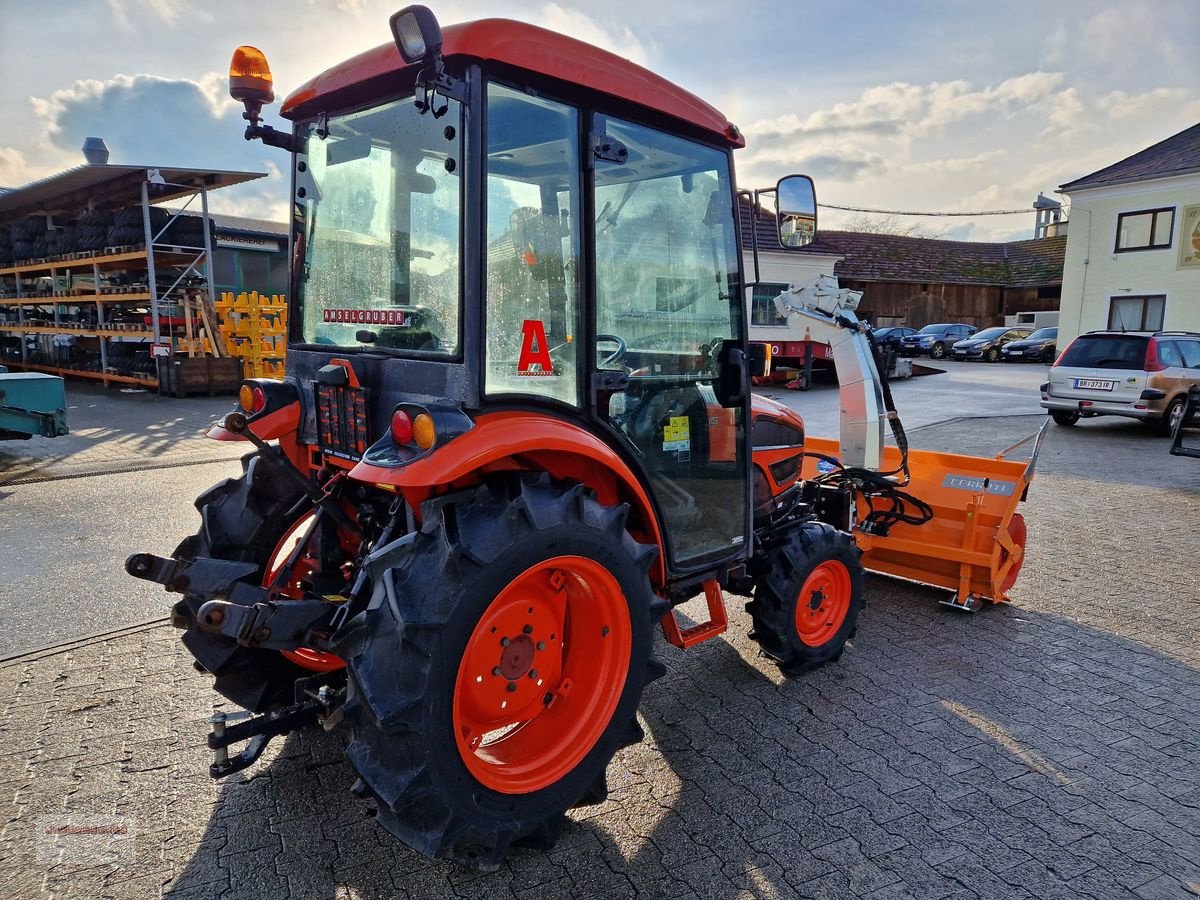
x,y
499,668
807,597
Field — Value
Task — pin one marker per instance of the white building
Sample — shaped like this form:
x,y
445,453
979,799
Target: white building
x,y
1133,247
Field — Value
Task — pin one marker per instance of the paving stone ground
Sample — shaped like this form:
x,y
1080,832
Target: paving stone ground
x,y
114,435
1044,749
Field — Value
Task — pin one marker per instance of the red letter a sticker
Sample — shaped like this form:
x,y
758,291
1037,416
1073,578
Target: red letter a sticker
x,y
533,331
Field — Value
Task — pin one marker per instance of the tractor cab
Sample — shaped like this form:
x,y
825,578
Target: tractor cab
x,y
476,222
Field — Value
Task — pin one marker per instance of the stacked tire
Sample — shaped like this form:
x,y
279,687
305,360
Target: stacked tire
x,y
29,238
93,229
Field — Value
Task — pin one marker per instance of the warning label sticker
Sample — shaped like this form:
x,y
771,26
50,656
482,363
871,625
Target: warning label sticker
x,y
677,434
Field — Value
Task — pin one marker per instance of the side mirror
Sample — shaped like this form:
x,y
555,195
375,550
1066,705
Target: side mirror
x,y
796,211
760,359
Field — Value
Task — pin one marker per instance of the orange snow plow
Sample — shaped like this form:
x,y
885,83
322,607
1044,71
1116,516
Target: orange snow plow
x,y
974,542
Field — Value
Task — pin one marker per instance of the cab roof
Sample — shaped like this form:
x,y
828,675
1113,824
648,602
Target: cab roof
x,y
527,47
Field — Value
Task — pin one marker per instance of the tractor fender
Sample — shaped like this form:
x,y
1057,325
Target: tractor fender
x,y
531,442
269,426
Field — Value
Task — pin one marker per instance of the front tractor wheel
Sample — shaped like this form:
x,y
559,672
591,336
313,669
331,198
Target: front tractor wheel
x,y
807,597
499,668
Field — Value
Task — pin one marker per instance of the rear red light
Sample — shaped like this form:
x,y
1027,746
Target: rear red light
x,y
1064,351
259,399
401,427
1152,363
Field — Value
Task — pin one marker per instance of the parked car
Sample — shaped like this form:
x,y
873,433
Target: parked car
x,y
987,344
1141,375
1041,346
935,340
890,335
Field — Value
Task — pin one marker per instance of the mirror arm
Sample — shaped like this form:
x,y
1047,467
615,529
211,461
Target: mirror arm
x,y
272,137
752,200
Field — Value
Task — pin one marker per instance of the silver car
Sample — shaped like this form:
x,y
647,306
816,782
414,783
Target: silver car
x,y
1140,375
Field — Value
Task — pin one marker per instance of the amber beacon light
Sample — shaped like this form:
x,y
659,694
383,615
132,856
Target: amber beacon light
x,y
250,77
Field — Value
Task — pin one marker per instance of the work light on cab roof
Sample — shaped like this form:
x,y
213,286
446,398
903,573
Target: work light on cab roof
x,y
418,34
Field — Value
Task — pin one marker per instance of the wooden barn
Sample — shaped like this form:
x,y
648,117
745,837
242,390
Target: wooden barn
x,y
918,281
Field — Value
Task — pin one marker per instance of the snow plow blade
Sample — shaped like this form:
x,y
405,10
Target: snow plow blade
x,y
975,543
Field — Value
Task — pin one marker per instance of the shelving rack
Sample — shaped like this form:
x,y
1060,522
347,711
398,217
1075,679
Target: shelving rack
x,y
169,284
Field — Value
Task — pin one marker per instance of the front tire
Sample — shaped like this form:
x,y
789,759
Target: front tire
x,y
991,354
499,668
807,597
937,351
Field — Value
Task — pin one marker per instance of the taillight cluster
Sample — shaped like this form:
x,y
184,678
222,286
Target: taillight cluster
x,y
252,398
1153,364
408,430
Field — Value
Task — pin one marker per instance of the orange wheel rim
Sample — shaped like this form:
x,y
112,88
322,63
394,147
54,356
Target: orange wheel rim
x,y
823,603
314,660
542,674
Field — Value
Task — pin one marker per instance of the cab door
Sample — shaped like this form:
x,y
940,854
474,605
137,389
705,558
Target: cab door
x,y
667,320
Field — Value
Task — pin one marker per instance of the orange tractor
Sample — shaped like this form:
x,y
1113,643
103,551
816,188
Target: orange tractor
x,y
516,431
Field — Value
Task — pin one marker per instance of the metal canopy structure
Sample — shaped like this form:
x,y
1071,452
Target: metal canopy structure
x,y
99,186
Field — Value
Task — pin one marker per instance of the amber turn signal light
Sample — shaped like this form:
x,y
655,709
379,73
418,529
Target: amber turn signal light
x,y
424,432
252,398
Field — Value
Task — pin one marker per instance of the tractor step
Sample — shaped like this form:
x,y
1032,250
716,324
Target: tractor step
x,y
695,634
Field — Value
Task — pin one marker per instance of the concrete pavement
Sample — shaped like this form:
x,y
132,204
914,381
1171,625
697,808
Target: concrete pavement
x,y
1044,749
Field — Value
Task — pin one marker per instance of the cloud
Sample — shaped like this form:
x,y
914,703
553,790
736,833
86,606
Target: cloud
x,y
620,40
908,109
12,167
1067,114
1054,47
146,120
829,166
1120,105
132,13
954,165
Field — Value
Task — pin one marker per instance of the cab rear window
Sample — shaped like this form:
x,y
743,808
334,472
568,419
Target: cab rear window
x,y
1106,352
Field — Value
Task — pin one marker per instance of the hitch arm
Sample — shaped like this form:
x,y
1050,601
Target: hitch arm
x,y
269,625
224,605
258,731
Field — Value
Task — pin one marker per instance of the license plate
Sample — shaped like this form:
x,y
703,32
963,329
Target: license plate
x,y
1094,384
1016,352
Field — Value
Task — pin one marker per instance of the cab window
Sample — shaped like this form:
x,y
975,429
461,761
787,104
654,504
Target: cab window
x,y
532,284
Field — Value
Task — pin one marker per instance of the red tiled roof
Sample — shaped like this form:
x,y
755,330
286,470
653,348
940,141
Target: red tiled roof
x,y
1177,155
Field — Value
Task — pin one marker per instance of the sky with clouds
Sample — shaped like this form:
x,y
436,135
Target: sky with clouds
x,y
933,105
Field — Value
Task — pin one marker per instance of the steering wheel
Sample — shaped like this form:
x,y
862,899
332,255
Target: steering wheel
x,y
613,358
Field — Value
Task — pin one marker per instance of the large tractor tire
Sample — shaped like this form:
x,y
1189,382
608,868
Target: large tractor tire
x,y
807,597
499,668
243,519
